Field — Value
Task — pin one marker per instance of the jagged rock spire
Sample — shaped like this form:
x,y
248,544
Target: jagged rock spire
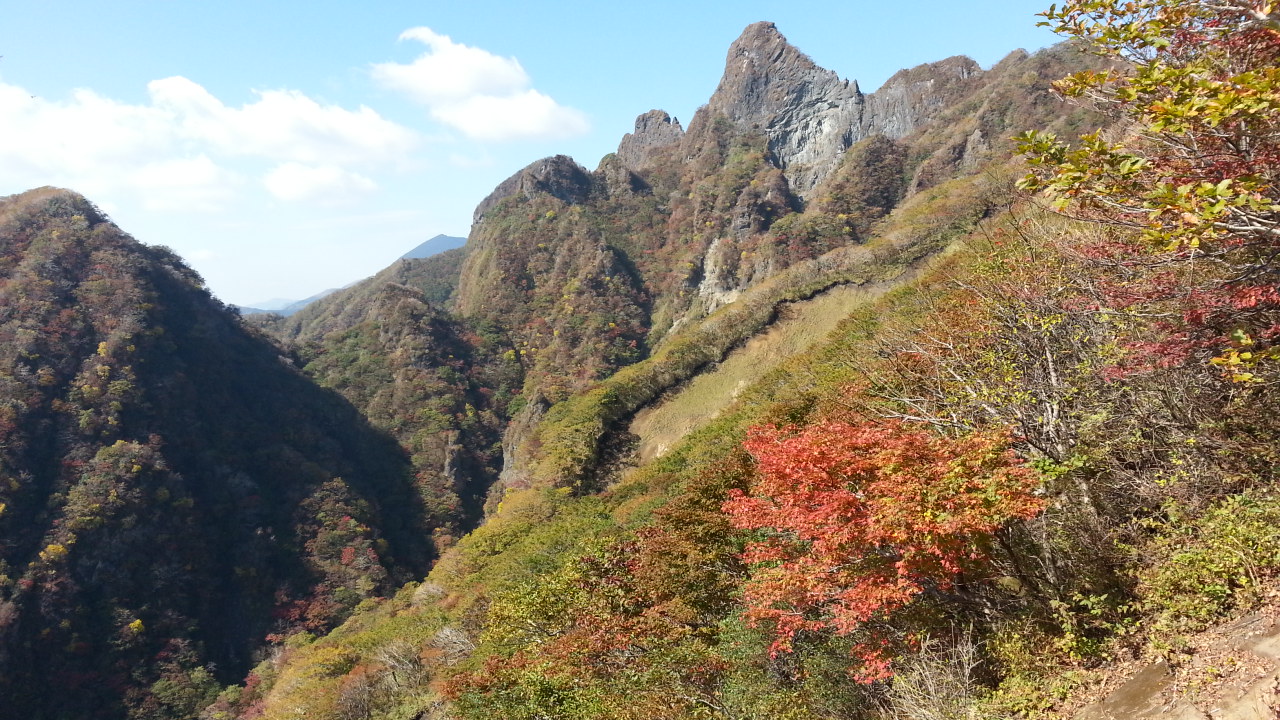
x,y
807,113
654,130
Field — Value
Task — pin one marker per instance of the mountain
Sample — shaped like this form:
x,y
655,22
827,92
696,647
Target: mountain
x,y
592,271
173,489
819,416
434,246
272,305
441,385
395,414
287,308
584,296
282,307
295,306
801,410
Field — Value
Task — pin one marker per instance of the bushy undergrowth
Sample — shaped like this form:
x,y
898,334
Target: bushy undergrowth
x,y
1038,453
1200,567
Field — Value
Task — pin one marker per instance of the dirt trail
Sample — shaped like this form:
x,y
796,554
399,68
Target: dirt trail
x,y
1233,673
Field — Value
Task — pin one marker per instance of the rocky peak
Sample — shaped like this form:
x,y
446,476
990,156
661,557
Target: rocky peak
x,y
558,176
810,116
914,96
654,130
806,113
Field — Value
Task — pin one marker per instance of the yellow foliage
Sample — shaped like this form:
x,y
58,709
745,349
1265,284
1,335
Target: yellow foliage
x,y
54,552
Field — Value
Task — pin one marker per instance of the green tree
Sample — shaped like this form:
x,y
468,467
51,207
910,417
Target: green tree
x,y
1196,89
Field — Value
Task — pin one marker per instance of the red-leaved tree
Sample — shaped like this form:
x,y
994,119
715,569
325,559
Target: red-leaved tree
x,y
1193,169
860,520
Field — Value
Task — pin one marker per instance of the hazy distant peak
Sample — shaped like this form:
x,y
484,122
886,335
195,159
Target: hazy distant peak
x,y
434,246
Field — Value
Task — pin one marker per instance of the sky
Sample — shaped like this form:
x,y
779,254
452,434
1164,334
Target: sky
x,y
284,147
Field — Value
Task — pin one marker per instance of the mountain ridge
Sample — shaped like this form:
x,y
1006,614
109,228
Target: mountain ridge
x,y
497,380
434,246
172,490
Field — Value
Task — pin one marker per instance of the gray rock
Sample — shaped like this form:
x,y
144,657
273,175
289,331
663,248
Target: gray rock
x,y
654,130
808,115
913,97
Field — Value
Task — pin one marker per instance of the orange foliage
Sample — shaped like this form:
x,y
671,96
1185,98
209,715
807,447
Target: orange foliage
x,y
861,519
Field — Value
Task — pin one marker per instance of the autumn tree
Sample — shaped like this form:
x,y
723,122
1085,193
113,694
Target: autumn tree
x,y
858,520
1197,97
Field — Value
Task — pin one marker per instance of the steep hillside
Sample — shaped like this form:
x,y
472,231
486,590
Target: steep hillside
x,y
639,602
1037,451
590,272
441,386
171,489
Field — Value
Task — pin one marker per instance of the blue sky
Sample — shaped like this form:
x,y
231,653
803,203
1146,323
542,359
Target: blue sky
x,y
284,148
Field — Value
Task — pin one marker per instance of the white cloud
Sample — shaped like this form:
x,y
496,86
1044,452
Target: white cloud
x,y
484,96
282,125
294,182
176,152
195,184
88,142
529,114
449,71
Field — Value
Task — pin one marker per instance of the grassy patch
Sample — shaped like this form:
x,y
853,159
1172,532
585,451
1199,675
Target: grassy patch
x,y
800,327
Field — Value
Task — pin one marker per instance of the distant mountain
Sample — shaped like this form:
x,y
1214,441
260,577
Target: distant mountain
x,y
297,305
281,306
287,307
434,246
272,305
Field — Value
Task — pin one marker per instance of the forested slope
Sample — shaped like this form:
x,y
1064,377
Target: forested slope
x,y
1050,449
171,489
1040,446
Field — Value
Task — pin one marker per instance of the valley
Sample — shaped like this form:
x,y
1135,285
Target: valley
x,y
954,399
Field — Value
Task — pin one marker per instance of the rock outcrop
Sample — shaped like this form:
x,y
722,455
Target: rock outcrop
x,y
913,97
591,271
809,115
654,130
1235,675
558,176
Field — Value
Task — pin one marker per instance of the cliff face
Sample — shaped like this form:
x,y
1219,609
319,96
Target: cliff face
x,y
914,97
808,114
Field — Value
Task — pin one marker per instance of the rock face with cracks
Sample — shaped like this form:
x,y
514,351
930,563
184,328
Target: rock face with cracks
x,y
654,130
810,115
